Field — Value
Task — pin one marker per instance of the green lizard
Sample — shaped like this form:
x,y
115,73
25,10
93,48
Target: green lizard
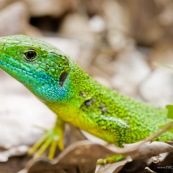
x,y
75,97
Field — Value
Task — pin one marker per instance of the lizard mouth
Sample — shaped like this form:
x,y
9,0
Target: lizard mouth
x,y
16,70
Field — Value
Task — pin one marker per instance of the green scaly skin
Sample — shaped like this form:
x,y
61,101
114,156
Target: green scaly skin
x,y
75,97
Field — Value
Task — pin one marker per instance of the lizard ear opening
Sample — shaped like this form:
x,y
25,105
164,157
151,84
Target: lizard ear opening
x,y
61,67
63,77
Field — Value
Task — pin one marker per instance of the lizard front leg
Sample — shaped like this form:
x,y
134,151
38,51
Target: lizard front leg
x,y
51,139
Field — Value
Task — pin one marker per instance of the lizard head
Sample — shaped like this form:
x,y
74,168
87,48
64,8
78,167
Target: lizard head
x,y
42,68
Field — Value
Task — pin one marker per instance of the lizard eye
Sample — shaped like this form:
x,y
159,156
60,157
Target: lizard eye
x,y
30,55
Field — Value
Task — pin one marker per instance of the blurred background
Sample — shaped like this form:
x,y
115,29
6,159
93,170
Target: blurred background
x,y
116,41
121,43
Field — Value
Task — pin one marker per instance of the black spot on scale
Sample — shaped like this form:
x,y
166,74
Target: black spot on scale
x,y
82,94
102,108
89,102
62,78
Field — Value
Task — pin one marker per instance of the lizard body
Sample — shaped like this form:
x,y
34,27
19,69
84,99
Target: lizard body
x,y
75,97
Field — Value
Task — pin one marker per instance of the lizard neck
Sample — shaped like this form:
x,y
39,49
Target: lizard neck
x,y
77,89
